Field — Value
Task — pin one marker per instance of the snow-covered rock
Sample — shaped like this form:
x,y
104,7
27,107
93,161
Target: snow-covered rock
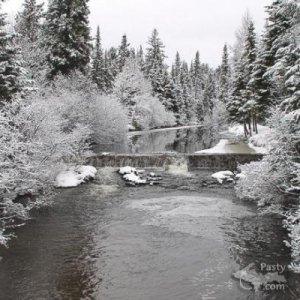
x,y
134,178
223,175
126,170
75,176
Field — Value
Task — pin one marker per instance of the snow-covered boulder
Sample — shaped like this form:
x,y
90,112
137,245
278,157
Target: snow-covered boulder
x,y
75,176
223,175
126,170
134,177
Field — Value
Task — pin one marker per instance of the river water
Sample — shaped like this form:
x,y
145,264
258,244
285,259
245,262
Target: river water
x,y
179,240
181,140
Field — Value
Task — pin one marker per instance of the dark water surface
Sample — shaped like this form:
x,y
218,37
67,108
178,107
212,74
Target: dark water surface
x,y
105,241
183,140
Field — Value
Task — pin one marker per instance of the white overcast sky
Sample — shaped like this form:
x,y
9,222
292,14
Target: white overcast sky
x,y
184,25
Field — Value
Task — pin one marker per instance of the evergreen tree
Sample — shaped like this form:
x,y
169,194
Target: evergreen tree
x,y
123,52
289,59
155,70
224,76
98,68
241,106
140,57
28,22
68,36
197,77
10,65
109,74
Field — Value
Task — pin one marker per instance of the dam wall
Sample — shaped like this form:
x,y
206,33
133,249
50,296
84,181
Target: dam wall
x,y
194,161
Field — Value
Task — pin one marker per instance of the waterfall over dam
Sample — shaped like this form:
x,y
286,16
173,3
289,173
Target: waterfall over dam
x,y
194,161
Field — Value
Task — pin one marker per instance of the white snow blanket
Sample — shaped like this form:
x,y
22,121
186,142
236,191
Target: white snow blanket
x,y
75,176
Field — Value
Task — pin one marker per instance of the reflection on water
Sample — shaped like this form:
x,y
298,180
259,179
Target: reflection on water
x,y
103,241
182,141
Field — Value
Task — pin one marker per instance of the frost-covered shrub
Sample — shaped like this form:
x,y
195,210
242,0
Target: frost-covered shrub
x,y
150,113
45,132
110,120
278,173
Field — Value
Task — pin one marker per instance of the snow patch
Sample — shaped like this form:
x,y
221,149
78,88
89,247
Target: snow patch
x,y
219,148
75,176
260,142
126,170
223,175
138,177
134,178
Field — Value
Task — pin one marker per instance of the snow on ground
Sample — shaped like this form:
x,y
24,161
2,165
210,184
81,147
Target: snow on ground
x,y
219,148
223,175
227,146
75,176
259,142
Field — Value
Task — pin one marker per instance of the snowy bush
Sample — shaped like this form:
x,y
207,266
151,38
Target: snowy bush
x,y
277,174
110,120
43,134
151,113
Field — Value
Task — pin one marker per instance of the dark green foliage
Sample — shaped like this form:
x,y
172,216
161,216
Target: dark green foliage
x,y
68,36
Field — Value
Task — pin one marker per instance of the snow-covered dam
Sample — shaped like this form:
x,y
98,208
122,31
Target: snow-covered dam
x,y
193,161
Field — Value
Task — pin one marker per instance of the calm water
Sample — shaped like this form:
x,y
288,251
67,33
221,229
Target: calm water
x,y
104,241
187,140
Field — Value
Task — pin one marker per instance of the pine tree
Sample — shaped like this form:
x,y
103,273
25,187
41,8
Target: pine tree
x,y
109,74
197,76
123,52
241,106
290,60
68,36
224,76
249,54
10,65
98,71
140,57
28,22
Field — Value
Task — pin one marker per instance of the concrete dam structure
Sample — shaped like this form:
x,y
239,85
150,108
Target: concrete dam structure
x,y
193,161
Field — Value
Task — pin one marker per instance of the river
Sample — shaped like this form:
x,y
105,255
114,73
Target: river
x,y
182,239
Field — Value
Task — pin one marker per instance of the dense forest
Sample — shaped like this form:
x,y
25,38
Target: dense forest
x,y
60,91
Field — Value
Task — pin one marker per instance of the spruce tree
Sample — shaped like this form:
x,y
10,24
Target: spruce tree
x,y
224,76
197,76
123,52
28,21
98,69
10,65
68,36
